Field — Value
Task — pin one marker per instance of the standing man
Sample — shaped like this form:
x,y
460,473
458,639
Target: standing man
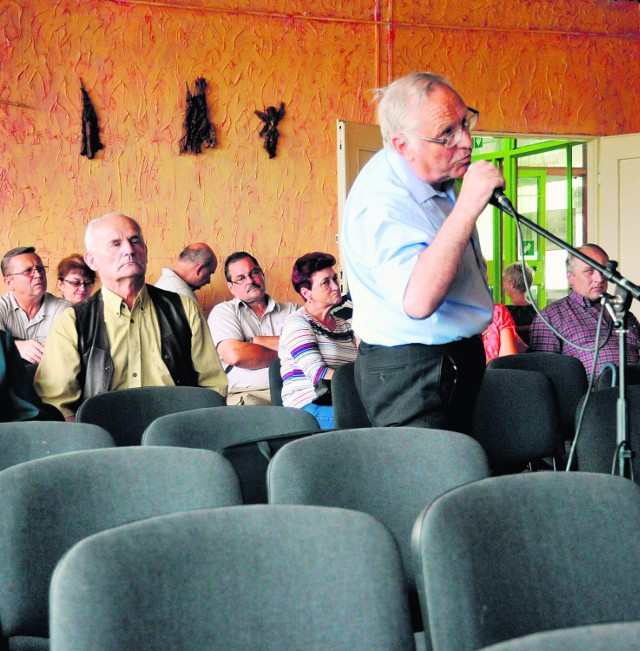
x,y
28,311
196,263
413,259
246,330
576,316
128,334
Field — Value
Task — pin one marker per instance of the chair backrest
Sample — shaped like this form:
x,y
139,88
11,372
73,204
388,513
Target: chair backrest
x,y
390,473
348,410
610,374
248,435
566,373
21,442
597,441
126,413
508,556
516,418
275,383
50,504
616,636
250,577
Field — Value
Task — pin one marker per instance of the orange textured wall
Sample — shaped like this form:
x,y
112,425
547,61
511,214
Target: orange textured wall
x,y
567,67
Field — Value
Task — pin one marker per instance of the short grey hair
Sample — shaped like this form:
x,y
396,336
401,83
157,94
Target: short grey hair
x,y
195,255
397,101
12,253
513,273
571,259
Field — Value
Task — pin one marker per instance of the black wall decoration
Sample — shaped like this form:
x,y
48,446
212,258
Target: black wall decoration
x,y
90,129
269,131
198,130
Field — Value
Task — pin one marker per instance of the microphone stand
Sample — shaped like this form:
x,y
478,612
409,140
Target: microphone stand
x,y
618,308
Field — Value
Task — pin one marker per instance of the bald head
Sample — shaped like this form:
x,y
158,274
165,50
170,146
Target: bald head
x,y
116,250
196,263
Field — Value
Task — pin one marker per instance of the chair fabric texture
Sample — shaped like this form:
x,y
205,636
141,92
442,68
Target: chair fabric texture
x,y
51,503
597,440
617,636
27,441
247,435
509,556
610,377
348,410
566,373
250,577
126,413
275,383
516,419
390,473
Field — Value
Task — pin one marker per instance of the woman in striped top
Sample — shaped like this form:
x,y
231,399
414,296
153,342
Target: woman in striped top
x,y
313,342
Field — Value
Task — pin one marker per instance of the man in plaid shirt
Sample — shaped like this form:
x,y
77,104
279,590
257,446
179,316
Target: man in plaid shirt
x,y
576,318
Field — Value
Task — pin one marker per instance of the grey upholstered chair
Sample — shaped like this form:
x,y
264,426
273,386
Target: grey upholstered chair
x,y
516,419
275,383
390,473
31,440
250,577
126,413
248,436
50,504
616,636
566,373
508,556
348,410
597,441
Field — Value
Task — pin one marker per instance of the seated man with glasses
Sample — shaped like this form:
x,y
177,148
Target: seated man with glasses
x,y
413,259
28,311
246,330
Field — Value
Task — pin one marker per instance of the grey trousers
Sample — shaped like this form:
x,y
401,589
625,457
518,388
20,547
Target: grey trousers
x,y
421,386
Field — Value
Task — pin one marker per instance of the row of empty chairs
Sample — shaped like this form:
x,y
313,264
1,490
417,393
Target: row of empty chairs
x,y
559,537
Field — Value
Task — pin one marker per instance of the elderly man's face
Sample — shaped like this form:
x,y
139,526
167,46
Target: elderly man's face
x,y
247,281
26,277
117,251
584,279
439,115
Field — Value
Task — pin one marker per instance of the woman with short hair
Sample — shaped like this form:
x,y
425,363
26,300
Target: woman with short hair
x,y
75,278
313,342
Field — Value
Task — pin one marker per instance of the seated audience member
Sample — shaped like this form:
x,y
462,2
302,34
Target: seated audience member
x,y
28,311
314,342
18,399
500,338
75,279
128,334
576,318
246,330
193,269
521,310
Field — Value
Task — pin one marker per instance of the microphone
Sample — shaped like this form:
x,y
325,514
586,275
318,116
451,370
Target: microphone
x,y
500,201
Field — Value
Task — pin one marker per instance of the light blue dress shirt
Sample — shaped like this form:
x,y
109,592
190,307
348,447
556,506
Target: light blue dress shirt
x,y
390,217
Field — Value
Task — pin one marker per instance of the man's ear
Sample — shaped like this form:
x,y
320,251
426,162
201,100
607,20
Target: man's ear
x,y
90,260
570,278
400,143
8,281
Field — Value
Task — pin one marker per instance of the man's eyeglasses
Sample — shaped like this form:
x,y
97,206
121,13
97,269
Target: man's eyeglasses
x,y
468,125
254,273
77,283
30,272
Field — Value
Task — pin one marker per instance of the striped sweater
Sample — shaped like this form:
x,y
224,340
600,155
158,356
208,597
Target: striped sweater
x,y
307,350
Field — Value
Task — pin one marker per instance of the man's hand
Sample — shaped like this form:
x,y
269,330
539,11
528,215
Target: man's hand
x,y
481,179
30,350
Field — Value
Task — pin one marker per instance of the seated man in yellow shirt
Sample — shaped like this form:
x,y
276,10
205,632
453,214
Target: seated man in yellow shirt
x,y
128,334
